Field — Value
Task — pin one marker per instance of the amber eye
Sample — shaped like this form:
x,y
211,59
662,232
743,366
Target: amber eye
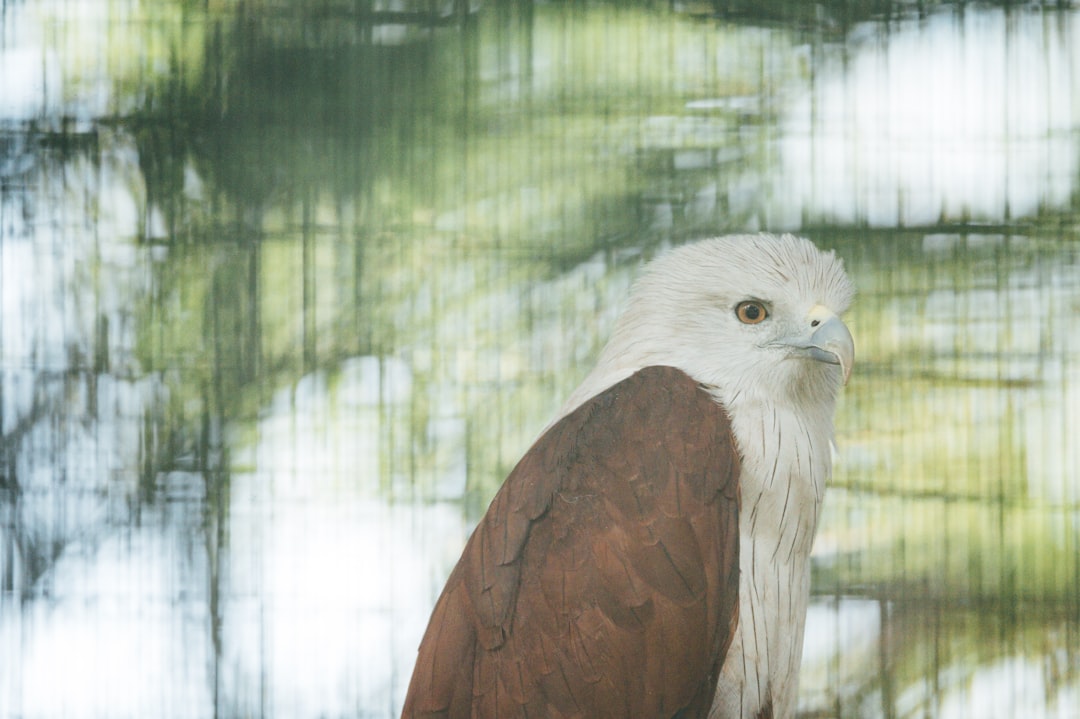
x,y
751,312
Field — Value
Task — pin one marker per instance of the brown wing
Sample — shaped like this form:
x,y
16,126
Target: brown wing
x,y
603,580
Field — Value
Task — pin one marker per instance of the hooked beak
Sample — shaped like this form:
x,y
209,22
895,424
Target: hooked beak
x,y
827,340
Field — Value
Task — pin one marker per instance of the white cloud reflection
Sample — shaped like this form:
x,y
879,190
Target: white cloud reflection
x,y
966,115
328,585
115,637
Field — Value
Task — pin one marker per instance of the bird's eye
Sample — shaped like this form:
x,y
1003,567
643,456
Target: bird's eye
x,y
751,312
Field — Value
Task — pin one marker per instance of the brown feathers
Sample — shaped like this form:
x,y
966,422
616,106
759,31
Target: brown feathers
x,y
603,580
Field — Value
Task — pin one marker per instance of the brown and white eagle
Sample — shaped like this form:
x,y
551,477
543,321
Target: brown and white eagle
x,y
649,556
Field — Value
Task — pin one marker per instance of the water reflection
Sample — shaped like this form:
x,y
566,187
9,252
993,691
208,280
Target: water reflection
x,y
286,294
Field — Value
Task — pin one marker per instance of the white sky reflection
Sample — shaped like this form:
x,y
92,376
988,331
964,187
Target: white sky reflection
x,y
329,587
939,119
116,637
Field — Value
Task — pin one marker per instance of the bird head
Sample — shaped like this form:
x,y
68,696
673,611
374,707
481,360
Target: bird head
x,y
756,317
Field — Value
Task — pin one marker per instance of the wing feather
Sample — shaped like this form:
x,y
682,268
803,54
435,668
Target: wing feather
x,y
603,580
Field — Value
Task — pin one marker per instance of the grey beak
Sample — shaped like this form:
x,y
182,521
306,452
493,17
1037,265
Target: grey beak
x,y
828,341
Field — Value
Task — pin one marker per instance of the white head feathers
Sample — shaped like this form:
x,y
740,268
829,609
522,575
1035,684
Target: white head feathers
x,y
683,312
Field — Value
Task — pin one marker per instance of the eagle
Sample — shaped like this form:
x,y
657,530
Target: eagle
x,y
649,556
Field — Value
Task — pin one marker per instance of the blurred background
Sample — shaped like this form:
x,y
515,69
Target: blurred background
x,y
288,286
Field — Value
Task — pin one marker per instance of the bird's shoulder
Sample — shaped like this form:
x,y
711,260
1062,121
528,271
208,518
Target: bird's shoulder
x,y
652,427
603,579
618,528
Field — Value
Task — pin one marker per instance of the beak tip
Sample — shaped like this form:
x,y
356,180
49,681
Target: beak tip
x,y
845,357
829,342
